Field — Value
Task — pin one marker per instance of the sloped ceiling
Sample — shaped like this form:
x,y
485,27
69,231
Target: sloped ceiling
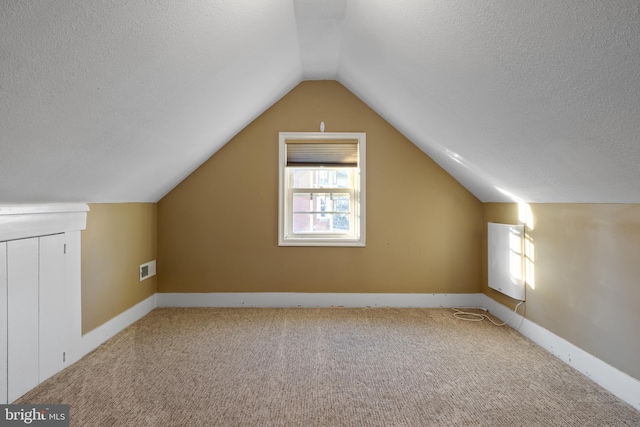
x,y
119,101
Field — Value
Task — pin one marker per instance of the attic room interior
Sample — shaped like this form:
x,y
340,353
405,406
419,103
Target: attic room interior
x,y
147,138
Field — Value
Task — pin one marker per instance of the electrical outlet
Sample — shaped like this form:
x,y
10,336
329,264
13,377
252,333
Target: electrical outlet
x,y
147,270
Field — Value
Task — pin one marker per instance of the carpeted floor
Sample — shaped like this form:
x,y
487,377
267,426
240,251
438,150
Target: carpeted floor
x,y
325,367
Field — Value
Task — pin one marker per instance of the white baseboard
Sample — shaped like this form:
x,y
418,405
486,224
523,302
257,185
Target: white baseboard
x,y
615,381
91,340
299,299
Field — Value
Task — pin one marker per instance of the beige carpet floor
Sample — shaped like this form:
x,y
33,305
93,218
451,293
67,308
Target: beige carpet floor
x,y
325,367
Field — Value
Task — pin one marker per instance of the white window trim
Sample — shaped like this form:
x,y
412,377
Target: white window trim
x,y
360,190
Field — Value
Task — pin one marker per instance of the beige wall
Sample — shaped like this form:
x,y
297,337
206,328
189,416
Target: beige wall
x,y
587,276
118,238
217,230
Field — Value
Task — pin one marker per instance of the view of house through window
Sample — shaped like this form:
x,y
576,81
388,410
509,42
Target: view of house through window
x,y
322,200
322,189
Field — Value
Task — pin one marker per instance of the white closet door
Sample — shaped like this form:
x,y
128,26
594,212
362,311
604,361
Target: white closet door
x,y
71,327
3,322
22,308
51,300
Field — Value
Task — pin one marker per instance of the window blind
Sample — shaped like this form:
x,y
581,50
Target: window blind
x,y
327,153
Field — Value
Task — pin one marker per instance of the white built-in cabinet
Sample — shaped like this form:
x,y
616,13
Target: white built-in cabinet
x,y
40,317
35,311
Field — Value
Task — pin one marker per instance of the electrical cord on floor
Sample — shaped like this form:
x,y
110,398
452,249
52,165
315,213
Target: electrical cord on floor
x,y
479,317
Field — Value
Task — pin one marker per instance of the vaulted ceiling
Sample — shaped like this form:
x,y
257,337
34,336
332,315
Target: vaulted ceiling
x,y
519,100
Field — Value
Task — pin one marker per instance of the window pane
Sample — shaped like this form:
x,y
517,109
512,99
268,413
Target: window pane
x,y
302,223
321,177
307,223
344,178
341,203
302,178
321,203
341,222
302,202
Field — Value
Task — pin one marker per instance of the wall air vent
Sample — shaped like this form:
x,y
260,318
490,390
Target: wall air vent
x,y
147,270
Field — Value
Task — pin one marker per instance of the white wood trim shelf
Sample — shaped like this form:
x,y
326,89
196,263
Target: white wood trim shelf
x,y
23,221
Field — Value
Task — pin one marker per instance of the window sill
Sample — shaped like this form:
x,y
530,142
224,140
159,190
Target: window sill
x,y
358,243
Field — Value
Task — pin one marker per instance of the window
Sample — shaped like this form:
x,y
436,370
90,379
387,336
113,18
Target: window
x,y
322,189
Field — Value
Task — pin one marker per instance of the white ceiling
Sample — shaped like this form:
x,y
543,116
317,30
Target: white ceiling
x,y
114,102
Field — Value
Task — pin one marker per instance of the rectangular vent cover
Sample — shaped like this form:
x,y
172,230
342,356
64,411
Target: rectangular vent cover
x,y
147,270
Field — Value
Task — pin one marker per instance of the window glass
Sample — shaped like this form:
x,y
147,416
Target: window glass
x,y
321,178
321,212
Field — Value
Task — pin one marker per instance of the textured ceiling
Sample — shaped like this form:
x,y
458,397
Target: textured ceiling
x,y
119,101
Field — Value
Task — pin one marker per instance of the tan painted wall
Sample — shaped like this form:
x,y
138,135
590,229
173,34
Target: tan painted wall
x,y
118,238
587,276
217,230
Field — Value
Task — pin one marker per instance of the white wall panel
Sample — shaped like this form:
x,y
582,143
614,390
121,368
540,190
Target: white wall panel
x,y
51,298
22,308
71,332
